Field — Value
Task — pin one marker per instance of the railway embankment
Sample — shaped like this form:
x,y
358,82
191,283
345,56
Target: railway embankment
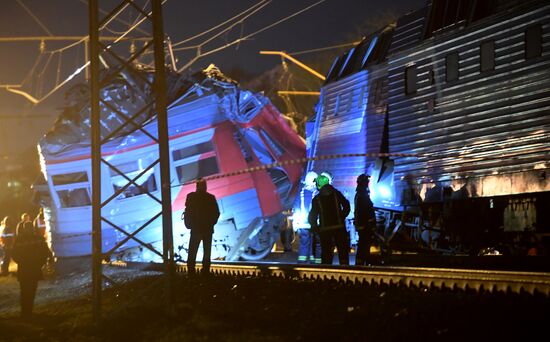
x,y
245,308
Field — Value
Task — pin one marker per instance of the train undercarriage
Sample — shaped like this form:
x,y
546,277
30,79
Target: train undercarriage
x,y
505,225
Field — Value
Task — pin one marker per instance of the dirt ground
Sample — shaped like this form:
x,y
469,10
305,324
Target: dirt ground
x,y
224,308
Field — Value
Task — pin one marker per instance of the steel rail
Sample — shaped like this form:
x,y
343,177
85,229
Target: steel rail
x,y
480,281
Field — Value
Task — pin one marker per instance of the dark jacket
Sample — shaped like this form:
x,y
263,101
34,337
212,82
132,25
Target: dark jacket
x,y
363,214
30,252
329,209
201,211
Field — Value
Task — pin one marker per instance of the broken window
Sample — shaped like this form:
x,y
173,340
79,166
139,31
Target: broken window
x,y
200,168
451,67
70,178
487,56
72,189
192,150
410,80
195,161
147,182
72,198
533,42
248,105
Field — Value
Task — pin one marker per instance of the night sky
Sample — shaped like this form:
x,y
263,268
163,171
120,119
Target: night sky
x,y
329,23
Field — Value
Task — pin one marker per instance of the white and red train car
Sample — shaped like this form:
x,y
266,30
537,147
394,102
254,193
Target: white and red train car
x,y
215,128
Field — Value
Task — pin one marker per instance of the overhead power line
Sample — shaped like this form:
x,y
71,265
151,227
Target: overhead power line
x,y
259,4
34,17
201,54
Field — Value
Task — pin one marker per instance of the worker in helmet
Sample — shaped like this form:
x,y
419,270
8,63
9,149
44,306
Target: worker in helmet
x,y
309,247
364,220
327,216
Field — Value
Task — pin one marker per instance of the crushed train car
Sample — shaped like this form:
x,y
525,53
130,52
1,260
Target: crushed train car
x,y
458,95
215,128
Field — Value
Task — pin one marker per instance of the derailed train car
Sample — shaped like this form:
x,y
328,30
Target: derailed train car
x,y
456,98
215,128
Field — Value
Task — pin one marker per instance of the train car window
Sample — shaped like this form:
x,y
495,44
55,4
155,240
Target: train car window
x,y
336,105
445,13
487,56
378,87
533,42
361,100
70,178
346,61
410,80
200,168
431,75
275,147
349,101
72,189
147,182
451,67
189,151
248,105
195,161
369,51
354,63
71,198
333,68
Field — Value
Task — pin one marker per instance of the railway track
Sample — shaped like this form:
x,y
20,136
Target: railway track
x,y
441,278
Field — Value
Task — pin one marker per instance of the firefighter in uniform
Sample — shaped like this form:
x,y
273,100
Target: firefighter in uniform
x,y
309,247
329,209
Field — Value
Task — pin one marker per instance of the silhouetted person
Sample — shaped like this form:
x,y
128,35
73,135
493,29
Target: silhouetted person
x,y
7,239
25,217
201,214
365,220
30,252
327,216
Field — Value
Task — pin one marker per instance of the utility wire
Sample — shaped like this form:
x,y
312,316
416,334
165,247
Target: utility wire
x,y
85,65
34,17
263,3
199,46
322,48
237,41
122,21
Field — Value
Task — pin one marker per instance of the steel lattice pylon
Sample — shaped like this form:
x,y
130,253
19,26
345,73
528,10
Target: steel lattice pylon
x,y
113,60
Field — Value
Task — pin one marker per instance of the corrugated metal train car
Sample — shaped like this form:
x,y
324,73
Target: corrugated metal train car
x,y
458,94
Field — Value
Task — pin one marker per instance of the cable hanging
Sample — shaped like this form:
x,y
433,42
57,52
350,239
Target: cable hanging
x,y
201,54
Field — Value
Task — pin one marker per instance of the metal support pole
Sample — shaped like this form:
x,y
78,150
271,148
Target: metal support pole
x,y
86,58
96,161
162,117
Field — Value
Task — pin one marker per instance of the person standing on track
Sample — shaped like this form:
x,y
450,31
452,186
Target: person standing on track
x,y
201,214
327,216
364,219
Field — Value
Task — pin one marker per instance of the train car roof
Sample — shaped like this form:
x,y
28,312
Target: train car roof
x,y
436,18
